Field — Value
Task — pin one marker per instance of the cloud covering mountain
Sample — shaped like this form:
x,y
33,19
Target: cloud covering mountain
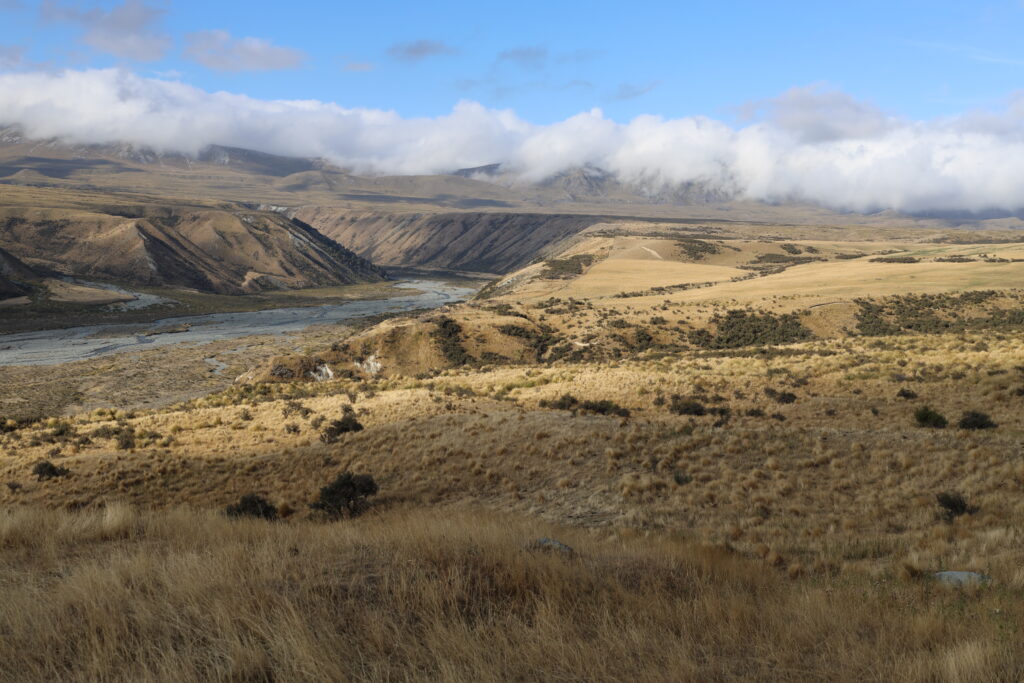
x,y
808,144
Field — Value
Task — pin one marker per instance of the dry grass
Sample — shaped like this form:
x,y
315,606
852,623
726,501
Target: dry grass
x,y
407,595
847,481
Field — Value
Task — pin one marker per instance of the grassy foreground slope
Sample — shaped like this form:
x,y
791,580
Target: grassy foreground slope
x,y
186,596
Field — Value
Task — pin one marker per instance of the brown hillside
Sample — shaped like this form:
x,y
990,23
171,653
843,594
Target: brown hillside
x,y
219,250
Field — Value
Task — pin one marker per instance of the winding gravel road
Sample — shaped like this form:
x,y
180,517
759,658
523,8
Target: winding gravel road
x,y
50,347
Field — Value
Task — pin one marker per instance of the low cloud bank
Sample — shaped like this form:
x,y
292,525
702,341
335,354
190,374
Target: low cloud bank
x,y
809,144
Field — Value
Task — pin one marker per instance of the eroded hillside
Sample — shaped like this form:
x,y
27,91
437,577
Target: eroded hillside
x,y
209,248
474,242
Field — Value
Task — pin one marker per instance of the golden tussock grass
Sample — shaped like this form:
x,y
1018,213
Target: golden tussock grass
x,y
116,594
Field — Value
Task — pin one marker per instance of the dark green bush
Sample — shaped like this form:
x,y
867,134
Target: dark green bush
x,y
738,328
346,495
686,406
570,402
252,505
126,439
333,431
557,269
926,417
975,420
44,469
954,505
784,397
448,335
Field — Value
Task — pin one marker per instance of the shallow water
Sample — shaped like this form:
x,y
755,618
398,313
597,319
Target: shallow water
x,y
49,347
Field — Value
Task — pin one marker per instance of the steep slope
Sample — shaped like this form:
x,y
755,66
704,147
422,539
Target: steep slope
x,y
214,250
13,274
478,242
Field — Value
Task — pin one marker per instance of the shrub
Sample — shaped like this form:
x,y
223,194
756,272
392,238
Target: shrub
x,y
603,407
954,505
926,417
738,328
44,469
346,495
564,402
784,397
333,431
252,505
975,420
686,406
126,439
559,269
448,336
895,259
570,402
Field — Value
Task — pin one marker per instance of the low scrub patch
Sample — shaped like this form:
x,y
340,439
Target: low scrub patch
x,y
926,417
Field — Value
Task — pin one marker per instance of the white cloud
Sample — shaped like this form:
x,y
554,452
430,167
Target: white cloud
x,y
218,50
817,114
129,30
812,144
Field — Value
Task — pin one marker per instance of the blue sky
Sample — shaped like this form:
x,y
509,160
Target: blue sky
x,y
545,60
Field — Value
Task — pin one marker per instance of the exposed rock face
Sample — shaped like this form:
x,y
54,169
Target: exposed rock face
x,y
472,241
215,250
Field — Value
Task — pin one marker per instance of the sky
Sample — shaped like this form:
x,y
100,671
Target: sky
x,y
863,106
